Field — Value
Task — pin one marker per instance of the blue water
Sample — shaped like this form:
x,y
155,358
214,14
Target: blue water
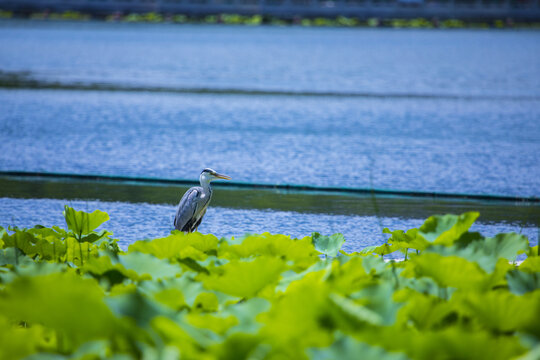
x,y
408,144
470,123
462,62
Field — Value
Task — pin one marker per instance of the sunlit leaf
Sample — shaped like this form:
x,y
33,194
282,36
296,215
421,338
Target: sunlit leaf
x,y
306,305
178,245
446,229
487,251
503,311
531,265
60,301
82,223
300,251
245,278
406,239
447,271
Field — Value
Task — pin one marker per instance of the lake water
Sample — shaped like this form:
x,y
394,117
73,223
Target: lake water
x,y
422,110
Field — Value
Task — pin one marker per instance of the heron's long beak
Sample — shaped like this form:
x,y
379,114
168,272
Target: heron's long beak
x,y
221,176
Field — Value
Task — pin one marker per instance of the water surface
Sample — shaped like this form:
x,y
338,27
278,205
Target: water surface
x,y
446,111
383,61
440,145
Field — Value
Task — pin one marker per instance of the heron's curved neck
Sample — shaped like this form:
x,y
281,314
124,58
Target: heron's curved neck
x,y
205,184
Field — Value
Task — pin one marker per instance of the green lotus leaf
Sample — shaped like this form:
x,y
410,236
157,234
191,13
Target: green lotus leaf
x,y
374,265
446,229
20,239
245,279
349,277
14,256
347,348
41,232
82,223
408,239
98,349
386,249
424,285
184,284
487,251
378,298
451,342
447,271
289,276
300,251
239,346
353,312
137,307
300,318
206,302
148,266
103,267
457,343
95,236
178,245
17,341
521,282
171,297
189,340
424,311
219,325
62,302
77,252
368,250
246,313
503,311
328,245
531,265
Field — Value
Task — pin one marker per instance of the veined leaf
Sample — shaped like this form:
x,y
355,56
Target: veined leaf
x,y
328,245
503,311
62,302
487,251
178,246
245,279
531,265
306,305
408,239
299,251
447,271
446,229
82,223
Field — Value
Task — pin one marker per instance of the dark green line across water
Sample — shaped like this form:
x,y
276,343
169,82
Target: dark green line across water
x,y
24,80
297,198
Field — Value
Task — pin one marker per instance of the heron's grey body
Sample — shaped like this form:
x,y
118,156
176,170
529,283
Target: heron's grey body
x,y
194,203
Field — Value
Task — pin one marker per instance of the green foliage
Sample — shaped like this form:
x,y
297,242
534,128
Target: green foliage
x,y
82,223
73,294
328,245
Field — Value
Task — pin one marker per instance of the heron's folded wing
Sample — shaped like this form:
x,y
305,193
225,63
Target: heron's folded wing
x,y
186,208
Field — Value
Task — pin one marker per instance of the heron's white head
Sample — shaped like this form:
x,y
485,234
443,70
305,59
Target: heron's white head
x,y
208,175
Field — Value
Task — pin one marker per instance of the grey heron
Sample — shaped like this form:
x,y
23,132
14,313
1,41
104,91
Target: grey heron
x,y
193,204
